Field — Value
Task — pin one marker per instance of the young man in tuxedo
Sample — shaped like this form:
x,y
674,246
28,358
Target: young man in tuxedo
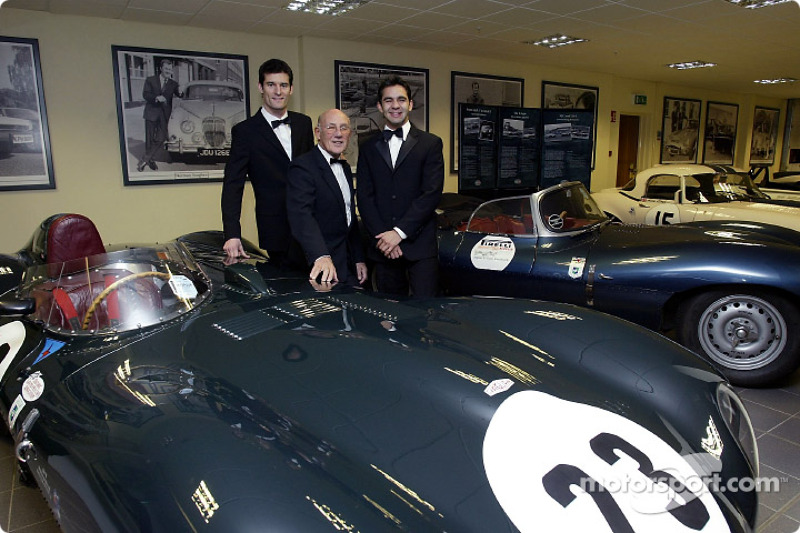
x,y
400,182
261,149
321,205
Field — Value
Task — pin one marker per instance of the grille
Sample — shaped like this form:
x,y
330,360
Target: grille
x,y
214,131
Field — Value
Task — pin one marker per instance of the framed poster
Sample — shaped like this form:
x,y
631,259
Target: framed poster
x,y
357,96
680,130
25,159
790,155
175,111
479,89
556,95
719,141
765,135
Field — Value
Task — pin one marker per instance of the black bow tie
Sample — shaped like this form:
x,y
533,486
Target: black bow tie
x,y
276,123
338,160
387,134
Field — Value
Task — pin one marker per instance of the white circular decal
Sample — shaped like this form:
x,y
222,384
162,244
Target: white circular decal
x,y
562,466
11,335
492,253
33,387
662,215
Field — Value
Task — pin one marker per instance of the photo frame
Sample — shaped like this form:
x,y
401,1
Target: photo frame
x,y
790,154
479,89
357,96
26,161
719,139
557,95
765,135
177,131
680,130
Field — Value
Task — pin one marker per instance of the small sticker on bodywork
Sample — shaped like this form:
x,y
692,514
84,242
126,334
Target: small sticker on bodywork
x,y
576,267
33,387
497,386
15,410
51,346
492,253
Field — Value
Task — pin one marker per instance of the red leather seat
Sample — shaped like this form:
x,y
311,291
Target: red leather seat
x,y
72,236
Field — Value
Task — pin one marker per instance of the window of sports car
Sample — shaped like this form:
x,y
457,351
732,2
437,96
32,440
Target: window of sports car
x,y
117,291
561,209
721,187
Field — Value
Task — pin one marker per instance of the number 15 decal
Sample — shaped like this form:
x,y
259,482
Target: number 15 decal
x,y
556,465
663,217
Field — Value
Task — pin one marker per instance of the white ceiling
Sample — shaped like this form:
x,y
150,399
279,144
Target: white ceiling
x,y
628,38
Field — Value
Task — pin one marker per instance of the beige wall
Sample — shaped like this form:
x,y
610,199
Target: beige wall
x,y
79,92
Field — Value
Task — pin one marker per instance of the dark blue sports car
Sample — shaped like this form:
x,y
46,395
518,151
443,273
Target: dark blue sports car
x,y
729,290
156,388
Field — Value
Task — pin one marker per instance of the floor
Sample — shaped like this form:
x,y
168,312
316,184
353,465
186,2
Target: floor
x,y
775,413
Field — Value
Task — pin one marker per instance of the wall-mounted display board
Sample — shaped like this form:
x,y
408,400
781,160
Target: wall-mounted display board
x,y
477,149
519,148
566,146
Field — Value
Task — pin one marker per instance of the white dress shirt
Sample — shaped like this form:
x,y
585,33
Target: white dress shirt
x,y
341,179
284,131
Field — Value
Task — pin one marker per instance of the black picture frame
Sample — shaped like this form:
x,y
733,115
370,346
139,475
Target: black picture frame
x,y
215,97
680,130
492,91
559,95
26,161
765,135
357,96
719,138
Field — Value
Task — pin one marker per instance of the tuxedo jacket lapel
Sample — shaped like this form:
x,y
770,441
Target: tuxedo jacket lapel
x,y
406,147
265,129
330,180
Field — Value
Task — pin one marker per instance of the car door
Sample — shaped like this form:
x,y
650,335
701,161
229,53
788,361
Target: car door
x,y
495,252
661,204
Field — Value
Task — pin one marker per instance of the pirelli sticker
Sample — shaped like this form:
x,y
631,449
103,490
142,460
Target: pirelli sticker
x,y
492,253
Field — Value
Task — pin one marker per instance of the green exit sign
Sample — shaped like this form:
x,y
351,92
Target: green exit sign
x,y
640,99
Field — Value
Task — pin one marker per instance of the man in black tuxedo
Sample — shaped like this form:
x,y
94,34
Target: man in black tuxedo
x,y
400,182
321,205
261,149
158,92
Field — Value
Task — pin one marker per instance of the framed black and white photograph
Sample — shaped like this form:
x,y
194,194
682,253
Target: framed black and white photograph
x,y
479,89
357,96
25,158
176,110
719,140
765,135
680,130
557,95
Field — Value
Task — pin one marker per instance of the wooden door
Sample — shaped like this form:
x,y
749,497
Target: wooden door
x,y
628,148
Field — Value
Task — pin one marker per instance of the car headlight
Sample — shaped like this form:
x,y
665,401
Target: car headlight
x,y
738,421
187,126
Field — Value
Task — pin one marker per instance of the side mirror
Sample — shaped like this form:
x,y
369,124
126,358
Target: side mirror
x,y
678,196
17,307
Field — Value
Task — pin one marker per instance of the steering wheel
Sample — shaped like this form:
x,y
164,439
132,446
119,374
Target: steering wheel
x,y
556,220
114,286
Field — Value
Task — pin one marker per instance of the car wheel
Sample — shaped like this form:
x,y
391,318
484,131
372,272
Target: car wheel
x,y
753,340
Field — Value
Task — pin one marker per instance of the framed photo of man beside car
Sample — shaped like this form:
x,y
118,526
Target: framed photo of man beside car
x,y
25,159
680,130
176,110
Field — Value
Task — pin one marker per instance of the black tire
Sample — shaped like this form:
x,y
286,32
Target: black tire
x,y
753,339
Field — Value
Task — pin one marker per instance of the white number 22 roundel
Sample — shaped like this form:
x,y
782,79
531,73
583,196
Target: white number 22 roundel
x,y
555,465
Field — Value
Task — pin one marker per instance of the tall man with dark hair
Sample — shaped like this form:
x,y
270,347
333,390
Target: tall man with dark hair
x,y
400,182
158,92
261,149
